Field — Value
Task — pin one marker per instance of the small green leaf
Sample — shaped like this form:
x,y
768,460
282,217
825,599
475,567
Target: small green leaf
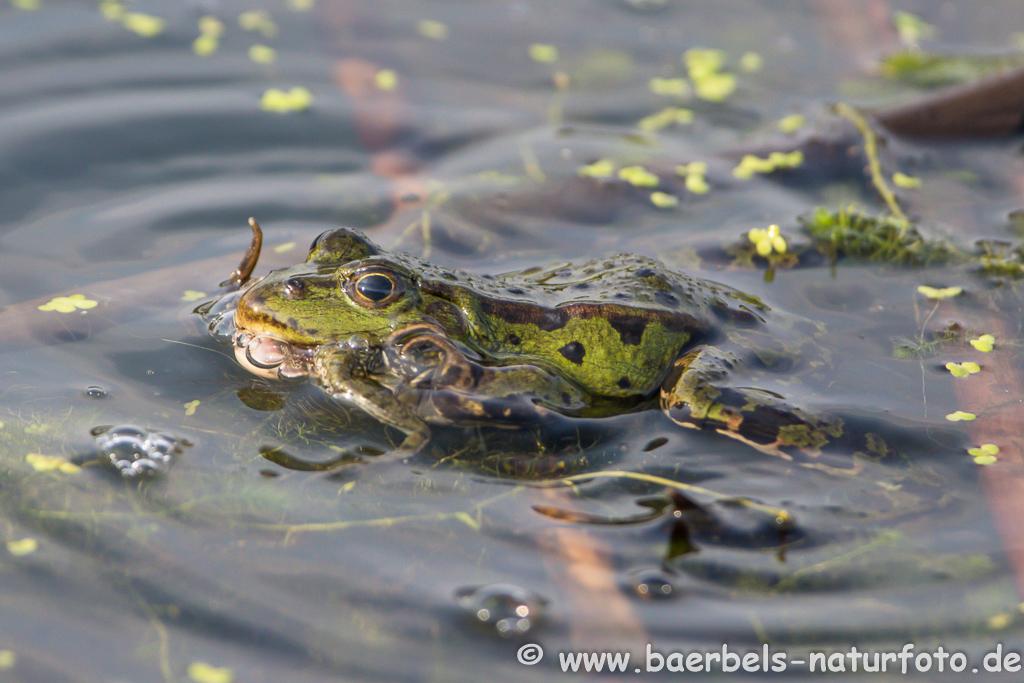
x,y
669,86
262,54
296,99
434,30
145,25
638,176
601,168
49,463
22,547
663,200
943,293
68,304
545,54
792,123
751,62
201,672
984,343
905,181
963,369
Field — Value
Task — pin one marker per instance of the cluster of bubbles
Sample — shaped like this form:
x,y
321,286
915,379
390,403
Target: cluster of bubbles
x,y
650,584
508,609
137,452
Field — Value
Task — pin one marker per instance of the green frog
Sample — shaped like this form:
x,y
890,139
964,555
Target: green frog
x,y
416,345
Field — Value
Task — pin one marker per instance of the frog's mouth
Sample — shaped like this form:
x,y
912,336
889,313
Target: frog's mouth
x,y
272,358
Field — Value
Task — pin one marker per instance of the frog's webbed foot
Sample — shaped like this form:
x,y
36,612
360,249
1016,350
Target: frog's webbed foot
x,y
356,374
697,394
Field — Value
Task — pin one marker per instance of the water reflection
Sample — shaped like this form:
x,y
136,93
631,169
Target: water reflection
x,y
129,165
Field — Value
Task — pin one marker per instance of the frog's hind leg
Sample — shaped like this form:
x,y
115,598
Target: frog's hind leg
x,y
696,394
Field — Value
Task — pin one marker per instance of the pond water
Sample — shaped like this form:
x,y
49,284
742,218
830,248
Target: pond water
x,y
137,138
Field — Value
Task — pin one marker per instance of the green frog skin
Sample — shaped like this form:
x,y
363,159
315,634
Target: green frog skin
x,y
414,344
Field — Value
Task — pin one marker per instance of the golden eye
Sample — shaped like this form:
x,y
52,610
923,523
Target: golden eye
x,y
375,287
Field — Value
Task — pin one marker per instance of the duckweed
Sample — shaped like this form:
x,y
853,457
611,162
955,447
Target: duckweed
x,y
638,176
984,454
984,343
963,369
907,182
435,30
937,294
545,54
767,241
296,99
68,304
663,200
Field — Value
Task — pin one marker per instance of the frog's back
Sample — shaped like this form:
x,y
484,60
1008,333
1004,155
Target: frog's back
x,y
613,326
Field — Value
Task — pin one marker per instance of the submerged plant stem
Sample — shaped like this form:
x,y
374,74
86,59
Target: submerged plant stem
x,y
871,152
783,517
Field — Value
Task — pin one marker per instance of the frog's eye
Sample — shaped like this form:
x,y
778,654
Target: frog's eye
x,y
377,287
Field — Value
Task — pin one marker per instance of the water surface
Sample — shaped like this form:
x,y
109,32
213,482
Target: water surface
x,y
128,166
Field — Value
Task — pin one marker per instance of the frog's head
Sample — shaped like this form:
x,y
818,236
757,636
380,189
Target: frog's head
x,y
348,286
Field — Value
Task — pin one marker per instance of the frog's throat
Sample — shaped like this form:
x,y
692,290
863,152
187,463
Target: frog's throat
x,y
272,358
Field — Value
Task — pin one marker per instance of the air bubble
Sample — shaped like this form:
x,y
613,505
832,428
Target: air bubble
x,y
651,584
510,610
137,452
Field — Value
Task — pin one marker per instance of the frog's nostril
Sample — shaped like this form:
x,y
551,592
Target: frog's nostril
x,y
295,286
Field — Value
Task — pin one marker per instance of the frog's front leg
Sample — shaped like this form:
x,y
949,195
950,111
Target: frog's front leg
x,y
697,394
354,374
455,390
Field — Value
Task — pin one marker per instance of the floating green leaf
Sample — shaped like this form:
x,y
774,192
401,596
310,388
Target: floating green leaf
x,y
962,369
22,547
434,30
602,168
638,176
767,240
663,200
201,672
296,99
905,181
68,304
984,343
145,25
50,463
669,86
791,123
939,293
545,54
386,79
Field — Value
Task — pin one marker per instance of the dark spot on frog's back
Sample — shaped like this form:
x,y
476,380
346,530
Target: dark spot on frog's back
x,y
573,352
624,383
630,329
645,272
